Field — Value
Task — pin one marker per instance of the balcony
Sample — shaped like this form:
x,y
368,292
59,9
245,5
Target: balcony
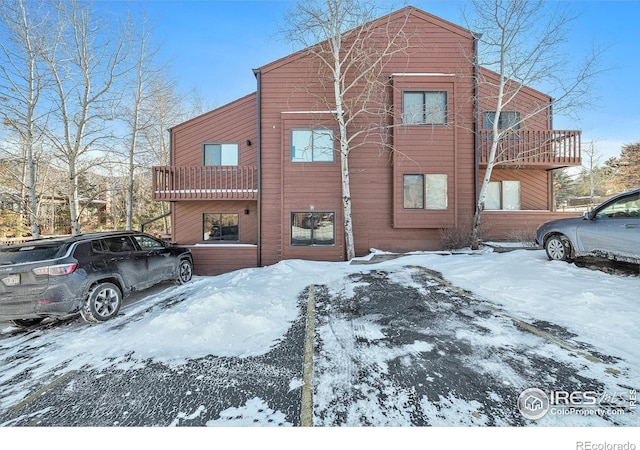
x,y
171,183
544,149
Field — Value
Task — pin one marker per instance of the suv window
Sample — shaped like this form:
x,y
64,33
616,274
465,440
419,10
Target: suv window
x,y
82,251
31,253
147,243
119,244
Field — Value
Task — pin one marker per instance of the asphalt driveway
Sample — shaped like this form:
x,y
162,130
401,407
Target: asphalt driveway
x,y
395,347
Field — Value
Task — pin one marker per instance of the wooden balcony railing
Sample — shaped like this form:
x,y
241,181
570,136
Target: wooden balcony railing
x,y
533,148
172,183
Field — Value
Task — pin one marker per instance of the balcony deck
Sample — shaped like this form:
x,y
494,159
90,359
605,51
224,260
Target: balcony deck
x,y
543,149
171,183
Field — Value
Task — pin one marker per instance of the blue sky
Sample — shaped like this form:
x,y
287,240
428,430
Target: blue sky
x,y
214,45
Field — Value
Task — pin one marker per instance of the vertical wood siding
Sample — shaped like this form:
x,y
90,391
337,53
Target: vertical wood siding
x,y
438,58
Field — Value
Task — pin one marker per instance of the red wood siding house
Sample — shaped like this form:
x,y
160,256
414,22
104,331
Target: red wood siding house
x,y
245,191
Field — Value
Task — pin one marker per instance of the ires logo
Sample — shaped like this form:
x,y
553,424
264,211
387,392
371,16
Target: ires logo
x,y
575,398
535,403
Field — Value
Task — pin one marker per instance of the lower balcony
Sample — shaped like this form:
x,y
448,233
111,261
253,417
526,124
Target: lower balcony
x,y
544,149
171,183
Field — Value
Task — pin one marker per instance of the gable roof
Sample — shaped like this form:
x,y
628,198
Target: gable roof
x,y
214,112
404,12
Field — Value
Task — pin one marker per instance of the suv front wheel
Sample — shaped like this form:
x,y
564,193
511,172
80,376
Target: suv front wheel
x,y
185,271
102,303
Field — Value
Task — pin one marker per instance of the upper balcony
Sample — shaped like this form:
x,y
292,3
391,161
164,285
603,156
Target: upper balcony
x,y
542,149
171,183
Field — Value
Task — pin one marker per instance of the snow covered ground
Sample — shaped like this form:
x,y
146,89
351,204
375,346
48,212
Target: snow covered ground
x,y
247,312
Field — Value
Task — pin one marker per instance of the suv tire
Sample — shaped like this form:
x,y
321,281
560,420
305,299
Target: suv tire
x,y
185,271
102,303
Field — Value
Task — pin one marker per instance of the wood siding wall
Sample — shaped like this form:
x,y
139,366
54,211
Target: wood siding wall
x,y
290,87
517,225
234,123
216,260
534,189
187,219
291,93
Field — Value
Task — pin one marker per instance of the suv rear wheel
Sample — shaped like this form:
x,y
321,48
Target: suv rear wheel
x,y
102,303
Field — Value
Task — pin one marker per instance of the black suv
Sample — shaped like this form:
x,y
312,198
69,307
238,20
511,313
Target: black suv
x,y
88,273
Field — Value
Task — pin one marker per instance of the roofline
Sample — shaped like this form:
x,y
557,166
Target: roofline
x,y
214,111
407,10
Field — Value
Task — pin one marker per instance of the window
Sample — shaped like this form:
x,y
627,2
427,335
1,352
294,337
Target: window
x,y
148,243
119,244
220,154
508,120
220,227
414,191
427,107
312,145
313,228
428,191
623,208
503,195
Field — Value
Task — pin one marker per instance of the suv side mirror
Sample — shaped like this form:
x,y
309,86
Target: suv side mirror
x,y
587,215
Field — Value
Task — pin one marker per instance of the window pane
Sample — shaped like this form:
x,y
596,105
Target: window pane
x,y
435,108
492,200
229,155
323,145
413,191
301,145
312,228
220,227
413,107
212,154
323,233
436,191
511,195
510,119
487,120
301,226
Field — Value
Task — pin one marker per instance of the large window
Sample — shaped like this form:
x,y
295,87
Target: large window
x,y
220,154
313,228
220,227
312,145
509,120
503,195
425,107
425,191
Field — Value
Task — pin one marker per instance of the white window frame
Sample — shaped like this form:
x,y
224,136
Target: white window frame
x,y
434,194
312,153
503,195
229,154
422,115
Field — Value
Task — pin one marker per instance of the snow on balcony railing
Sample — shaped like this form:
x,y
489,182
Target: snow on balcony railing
x,y
204,183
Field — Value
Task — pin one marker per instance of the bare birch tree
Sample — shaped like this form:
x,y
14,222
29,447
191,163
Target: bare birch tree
x,y
352,51
86,62
21,84
138,114
521,42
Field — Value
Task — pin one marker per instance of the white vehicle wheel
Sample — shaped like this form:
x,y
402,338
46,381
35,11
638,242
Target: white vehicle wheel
x,y
102,303
558,248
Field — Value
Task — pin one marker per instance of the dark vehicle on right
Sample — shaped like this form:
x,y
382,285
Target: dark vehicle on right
x,y
611,230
